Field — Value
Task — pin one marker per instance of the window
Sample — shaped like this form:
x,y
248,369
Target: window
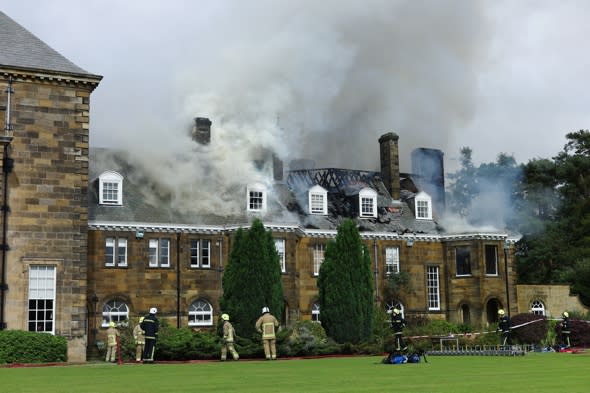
x,y
391,260
538,308
159,252
423,206
395,304
115,252
432,284
200,313
318,257
256,197
110,188
41,299
462,256
318,200
491,255
280,246
315,313
200,250
115,311
368,203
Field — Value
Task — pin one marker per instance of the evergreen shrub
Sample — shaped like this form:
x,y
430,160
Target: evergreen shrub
x,y
17,346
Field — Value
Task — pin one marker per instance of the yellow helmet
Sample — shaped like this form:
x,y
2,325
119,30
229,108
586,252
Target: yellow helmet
x,y
566,314
141,319
225,317
396,311
112,324
500,312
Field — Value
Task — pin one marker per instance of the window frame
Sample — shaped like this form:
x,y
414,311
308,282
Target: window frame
x,y
423,206
318,256
395,304
367,197
538,307
462,262
42,298
157,259
107,179
108,313
194,313
318,200
392,265
280,245
202,255
433,287
258,206
118,244
316,313
488,262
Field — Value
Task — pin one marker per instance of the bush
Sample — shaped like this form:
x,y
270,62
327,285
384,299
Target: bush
x,y
532,332
579,332
18,346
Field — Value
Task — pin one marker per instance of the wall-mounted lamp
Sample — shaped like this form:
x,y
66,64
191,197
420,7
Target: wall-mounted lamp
x,y
139,234
410,242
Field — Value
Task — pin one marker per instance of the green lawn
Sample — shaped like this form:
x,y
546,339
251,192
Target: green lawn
x,y
533,373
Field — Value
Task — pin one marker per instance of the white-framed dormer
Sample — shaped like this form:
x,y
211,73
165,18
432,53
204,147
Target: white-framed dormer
x,y
367,203
110,188
423,206
318,200
256,195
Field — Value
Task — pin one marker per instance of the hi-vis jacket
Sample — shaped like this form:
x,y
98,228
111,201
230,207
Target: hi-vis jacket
x,y
267,324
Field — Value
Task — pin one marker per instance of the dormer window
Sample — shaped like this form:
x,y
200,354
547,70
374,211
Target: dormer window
x,y
367,203
256,197
318,200
110,188
423,206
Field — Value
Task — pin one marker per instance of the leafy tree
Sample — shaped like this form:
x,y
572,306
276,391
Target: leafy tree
x,y
253,260
346,287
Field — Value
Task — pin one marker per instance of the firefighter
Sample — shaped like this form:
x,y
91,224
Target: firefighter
x,y
228,339
565,329
150,325
267,324
504,327
139,338
112,338
398,323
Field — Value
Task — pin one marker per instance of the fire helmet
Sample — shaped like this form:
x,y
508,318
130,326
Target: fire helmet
x,y
566,314
112,324
153,310
141,319
396,311
225,317
265,310
500,312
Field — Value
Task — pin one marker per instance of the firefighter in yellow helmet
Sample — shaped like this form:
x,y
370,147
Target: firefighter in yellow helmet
x,y
565,329
504,326
398,323
267,324
139,338
228,339
112,337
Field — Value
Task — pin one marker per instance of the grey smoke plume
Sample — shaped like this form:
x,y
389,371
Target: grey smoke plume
x,y
311,79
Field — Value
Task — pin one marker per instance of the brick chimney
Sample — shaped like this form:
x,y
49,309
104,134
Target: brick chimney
x,y
201,132
390,163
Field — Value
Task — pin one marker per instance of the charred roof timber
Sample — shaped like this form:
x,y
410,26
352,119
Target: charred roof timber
x,y
201,132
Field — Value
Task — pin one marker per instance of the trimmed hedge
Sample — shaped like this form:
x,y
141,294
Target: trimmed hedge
x,y
17,346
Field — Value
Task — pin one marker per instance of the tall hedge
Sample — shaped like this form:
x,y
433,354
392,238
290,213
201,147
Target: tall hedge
x,y
17,346
252,279
346,287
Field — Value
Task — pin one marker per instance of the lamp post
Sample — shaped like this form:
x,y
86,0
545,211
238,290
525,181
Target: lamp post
x,y
506,249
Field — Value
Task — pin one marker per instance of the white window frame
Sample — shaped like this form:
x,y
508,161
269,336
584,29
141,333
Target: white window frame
x,y
117,256
486,247
396,304
315,313
538,307
200,313
280,247
42,283
253,193
200,253
110,188
159,252
367,203
318,200
391,260
318,252
433,286
116,311
423,206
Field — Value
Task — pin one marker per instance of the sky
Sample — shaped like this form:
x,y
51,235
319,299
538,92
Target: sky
x,y
325,79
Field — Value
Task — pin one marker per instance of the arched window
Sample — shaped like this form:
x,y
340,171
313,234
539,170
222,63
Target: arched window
x,y
315,313
537,307
115,311
395,304
200,313
110,188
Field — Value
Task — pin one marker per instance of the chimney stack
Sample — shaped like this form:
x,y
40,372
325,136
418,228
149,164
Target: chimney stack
x,y
390,163
201,132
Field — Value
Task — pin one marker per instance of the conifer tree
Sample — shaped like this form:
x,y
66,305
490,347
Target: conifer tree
x,y
346,287
252,279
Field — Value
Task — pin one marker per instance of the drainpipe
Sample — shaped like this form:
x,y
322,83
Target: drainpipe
x,y
178,280
376,271
7,166
506,249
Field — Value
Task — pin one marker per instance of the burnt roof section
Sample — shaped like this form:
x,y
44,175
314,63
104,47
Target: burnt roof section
x,y
19,48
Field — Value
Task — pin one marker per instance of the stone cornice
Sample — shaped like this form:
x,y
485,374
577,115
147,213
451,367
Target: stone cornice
x,y
50,77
